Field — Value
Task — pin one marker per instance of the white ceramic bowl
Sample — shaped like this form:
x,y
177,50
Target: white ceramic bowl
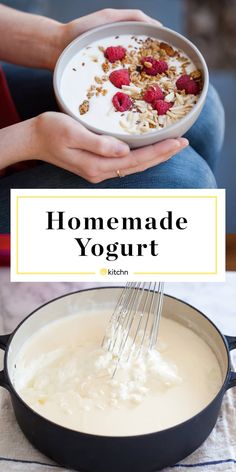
x,y
136,28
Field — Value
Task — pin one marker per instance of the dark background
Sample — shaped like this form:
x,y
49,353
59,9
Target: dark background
x,y
211,25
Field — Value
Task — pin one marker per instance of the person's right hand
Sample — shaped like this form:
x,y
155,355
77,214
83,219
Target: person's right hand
x,y
62,141
65,33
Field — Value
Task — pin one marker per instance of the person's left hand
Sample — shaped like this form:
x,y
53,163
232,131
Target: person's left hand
x,y
73,29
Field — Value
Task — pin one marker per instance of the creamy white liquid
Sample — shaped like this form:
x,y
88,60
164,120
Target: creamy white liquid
x,y
79,75
63,374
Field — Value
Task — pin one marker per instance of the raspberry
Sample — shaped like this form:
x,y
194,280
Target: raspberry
x,y
185,82
152,66
122,102
120,77
153,93
192,87
115,53
161,106
182,82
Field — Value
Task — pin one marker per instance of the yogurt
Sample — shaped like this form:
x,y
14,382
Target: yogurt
x,y
63,373
88,92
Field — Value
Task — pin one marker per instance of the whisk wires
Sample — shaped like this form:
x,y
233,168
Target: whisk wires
x,y
133,327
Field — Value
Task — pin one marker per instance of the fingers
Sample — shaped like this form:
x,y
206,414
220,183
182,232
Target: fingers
x,y
158,153
96,169
144,165
105,146
110,15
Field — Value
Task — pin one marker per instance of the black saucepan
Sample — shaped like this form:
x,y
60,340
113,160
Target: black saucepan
x,y
142,453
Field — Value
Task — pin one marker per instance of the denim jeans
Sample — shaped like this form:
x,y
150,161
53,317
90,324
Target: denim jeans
x,y
193,167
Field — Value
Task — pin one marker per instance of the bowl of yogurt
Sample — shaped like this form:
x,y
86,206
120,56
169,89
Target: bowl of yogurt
x,y
138,82
153,413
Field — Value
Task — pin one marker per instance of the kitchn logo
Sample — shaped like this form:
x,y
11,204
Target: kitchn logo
x,y
105,271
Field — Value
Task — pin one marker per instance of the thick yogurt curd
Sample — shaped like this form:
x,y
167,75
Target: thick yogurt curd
x,y
63,373
88,92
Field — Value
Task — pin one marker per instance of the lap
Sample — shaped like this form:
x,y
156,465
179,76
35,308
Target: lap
x,y
207,134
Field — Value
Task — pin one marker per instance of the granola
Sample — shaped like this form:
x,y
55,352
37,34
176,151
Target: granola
x,y
144,65
84,107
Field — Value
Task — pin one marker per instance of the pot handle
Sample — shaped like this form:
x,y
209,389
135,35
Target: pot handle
x,y
3,344
231,341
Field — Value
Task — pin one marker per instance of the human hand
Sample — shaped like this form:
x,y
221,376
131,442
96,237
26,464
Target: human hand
x,y
47,37
73,29
62,141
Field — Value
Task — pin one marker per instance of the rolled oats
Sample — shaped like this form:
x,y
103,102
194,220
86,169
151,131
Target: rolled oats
x,y
143,117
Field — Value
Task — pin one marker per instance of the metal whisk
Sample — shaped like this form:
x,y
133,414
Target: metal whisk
x,y
133,327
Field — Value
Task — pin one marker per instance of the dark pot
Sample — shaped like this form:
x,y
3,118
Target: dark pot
x,y
87,452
